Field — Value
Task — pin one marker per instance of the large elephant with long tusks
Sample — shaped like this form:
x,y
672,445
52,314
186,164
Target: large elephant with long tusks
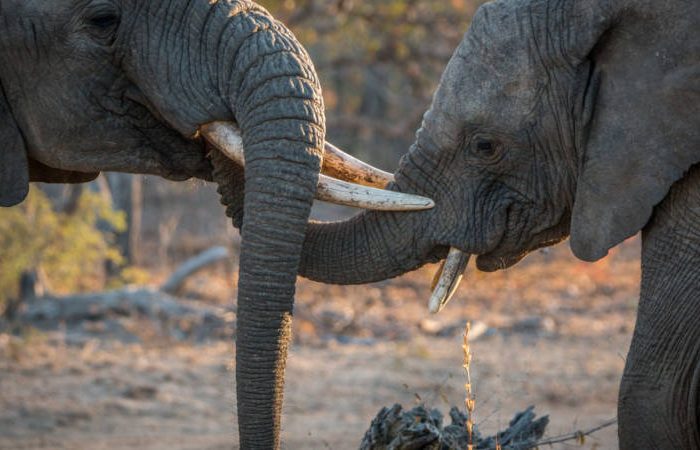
x,y
557,118
179,88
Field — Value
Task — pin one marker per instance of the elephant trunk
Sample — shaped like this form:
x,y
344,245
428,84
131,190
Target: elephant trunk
x,y
280,112
244,67
369,247
376,245
277,202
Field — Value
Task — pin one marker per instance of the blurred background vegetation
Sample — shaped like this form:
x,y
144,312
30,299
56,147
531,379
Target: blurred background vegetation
x,y
64,247
379,62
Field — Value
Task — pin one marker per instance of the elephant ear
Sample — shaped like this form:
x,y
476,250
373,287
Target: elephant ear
x,y
14,166
643,136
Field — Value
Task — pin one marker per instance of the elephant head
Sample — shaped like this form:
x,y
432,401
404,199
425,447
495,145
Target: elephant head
x,y
551,119
139,86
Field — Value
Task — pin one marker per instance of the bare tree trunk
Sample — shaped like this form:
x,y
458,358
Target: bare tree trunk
x,y
63,197
136,218
70,204
127,196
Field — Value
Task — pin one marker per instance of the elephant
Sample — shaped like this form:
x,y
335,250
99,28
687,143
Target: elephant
x,y
556,119
149,87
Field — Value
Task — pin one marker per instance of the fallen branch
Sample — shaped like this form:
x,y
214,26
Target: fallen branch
x,y
180,317
192,266
578,436
169,316
122,302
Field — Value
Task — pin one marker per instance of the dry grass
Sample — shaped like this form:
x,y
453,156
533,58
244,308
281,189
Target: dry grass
x,y
357,348
469,400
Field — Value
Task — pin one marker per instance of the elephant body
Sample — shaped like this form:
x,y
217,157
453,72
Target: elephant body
x,y
558,118
124,85
659,404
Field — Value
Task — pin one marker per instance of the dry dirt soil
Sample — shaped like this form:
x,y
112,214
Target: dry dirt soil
x,y
551,332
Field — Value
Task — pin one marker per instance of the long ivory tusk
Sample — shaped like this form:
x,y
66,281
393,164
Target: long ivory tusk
x,y
447,279
336,163
227,138
340,165
349,194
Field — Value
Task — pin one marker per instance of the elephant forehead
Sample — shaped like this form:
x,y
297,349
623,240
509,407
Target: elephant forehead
x,y
477,90
28,25
12,8
494,69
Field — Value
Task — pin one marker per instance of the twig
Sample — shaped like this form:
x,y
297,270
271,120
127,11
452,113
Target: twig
x,y
469,401
578,435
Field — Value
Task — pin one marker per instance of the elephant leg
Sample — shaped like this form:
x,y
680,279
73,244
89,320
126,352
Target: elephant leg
x,y
659,405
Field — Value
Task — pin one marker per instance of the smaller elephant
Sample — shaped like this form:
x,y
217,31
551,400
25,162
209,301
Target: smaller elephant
x,y
559,118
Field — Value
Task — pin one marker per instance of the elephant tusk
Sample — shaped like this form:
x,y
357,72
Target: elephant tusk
x,y
336,163
340,165
227,138
350,194
447,279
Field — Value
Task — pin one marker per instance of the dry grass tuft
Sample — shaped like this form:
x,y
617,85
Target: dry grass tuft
x,y
469,400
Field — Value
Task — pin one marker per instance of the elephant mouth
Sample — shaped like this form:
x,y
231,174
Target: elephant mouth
x,y
500,256
500,259
450,273
496,257
194,151
493,261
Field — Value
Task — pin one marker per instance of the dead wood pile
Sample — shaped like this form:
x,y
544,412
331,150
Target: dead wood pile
x,y
420,428
126,313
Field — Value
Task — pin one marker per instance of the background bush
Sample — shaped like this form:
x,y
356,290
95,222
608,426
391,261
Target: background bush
x,y
67,249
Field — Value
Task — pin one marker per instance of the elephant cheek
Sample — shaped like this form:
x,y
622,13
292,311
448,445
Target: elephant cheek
x,y
492,263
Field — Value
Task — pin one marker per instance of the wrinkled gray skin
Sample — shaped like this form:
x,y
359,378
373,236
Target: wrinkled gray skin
x,y
557,118
553,118
123,85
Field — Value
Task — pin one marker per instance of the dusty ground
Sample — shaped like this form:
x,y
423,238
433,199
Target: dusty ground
x,y
556,334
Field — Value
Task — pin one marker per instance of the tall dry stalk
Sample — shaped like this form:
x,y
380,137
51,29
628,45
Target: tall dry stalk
x,y
469,400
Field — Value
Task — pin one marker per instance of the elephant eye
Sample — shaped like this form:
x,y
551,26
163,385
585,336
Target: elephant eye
x,y
104,21
484,147
102,25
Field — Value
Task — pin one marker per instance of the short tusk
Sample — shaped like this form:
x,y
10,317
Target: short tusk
x,y
447,279
340,165
227,138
